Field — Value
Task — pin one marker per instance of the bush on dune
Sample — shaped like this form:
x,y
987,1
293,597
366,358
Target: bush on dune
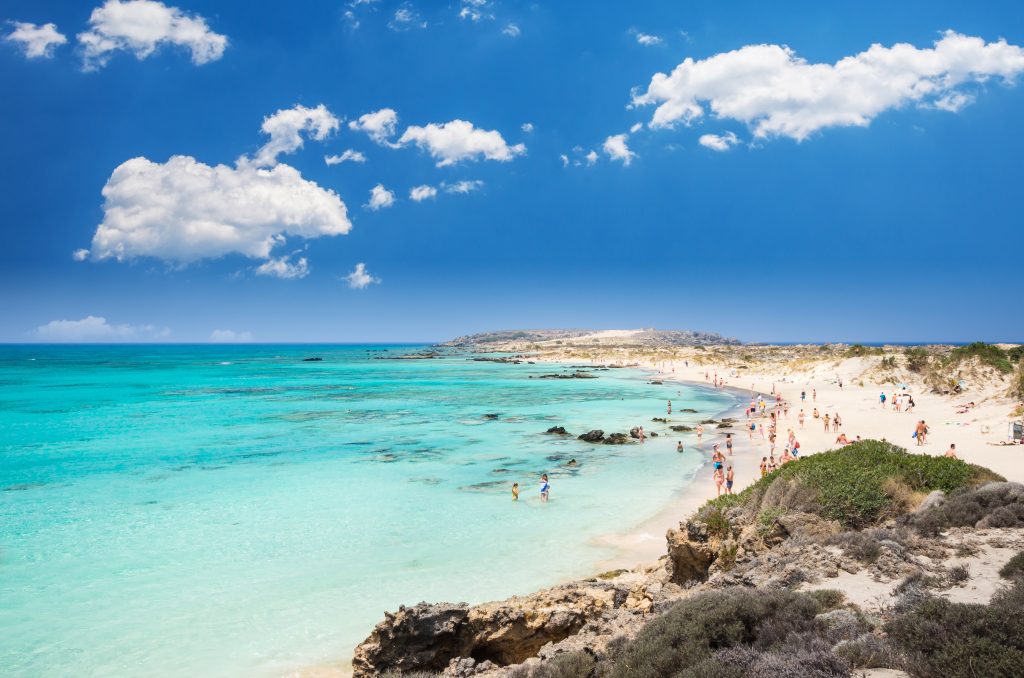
x,y
737,632
855,485
940,638
1014,568
997,505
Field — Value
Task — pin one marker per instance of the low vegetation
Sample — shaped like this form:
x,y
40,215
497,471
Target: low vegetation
x,y
855,485
1014,568
999,505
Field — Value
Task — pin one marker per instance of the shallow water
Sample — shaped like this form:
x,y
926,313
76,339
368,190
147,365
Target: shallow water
x,y
234,511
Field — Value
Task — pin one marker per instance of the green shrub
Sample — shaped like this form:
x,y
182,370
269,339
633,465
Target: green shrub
x,y
986,353
987,506
917,359
859,351
684,641
889,362
850,484
1014,568
940,638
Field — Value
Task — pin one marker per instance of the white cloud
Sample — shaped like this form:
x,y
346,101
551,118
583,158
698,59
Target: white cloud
x,y
527,127
464,186
36,41
648,40
458,140
616,148
476,10
719,142
80,254
182,211
406,17
380,125
592,158
511,30
94,328
380,198
230,336
421,193
284,268
285,129
953,102
348,156
636,127
776,93
360,278
141,27
565,159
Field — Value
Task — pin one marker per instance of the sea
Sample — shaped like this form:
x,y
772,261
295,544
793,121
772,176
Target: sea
x,y
237,510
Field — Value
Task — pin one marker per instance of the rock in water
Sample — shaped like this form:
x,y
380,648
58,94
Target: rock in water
x,y
560,430
595,436
616,439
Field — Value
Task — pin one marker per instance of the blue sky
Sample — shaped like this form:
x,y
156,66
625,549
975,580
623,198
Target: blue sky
x,y
875,201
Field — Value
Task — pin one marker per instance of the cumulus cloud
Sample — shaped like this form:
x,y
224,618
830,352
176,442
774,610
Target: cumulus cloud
x,y
511,30
348,156
286,127
527,127
592,158
230,336
406,17
284,267
648,40
380,198
35,41
565,159
421,193
458,140
360,278
182,211
777,93
636,127
96,328
616,148
464,186
476,10
718,142
141,27
380,125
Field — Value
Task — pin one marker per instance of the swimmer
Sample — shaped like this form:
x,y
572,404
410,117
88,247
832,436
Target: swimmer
x,y
679,446
515,491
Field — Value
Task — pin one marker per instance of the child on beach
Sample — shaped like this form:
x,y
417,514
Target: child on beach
x,y
729,477
800,418
764,466
545,487
515,491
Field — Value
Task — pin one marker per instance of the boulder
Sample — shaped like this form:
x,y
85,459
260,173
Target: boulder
x,y
934,499
594,436
423,637
616,439
688,560
681,428
560,430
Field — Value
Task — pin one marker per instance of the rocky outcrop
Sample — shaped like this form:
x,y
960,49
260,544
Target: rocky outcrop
x,y
594,436
430,637
616,439
681,428
559,430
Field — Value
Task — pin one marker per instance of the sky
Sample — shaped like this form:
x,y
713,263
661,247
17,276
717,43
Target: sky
x,y
376,170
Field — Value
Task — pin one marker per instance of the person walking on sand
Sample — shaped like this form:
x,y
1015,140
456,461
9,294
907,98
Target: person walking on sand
x,y
951,452
836,423
881,398
545,487
719,479
814,394
803,396
750,431
800,418
728,443
827,422
729,478
515,491
760,427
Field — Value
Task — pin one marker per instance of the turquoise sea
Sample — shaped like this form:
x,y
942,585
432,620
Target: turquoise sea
x,y
235,511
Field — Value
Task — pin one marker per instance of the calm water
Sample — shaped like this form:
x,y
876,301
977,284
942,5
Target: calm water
x,y
234,511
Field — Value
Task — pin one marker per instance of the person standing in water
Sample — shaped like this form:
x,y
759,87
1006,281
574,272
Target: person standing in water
x,y
670,407
515,491
700,431
545,487
679,446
